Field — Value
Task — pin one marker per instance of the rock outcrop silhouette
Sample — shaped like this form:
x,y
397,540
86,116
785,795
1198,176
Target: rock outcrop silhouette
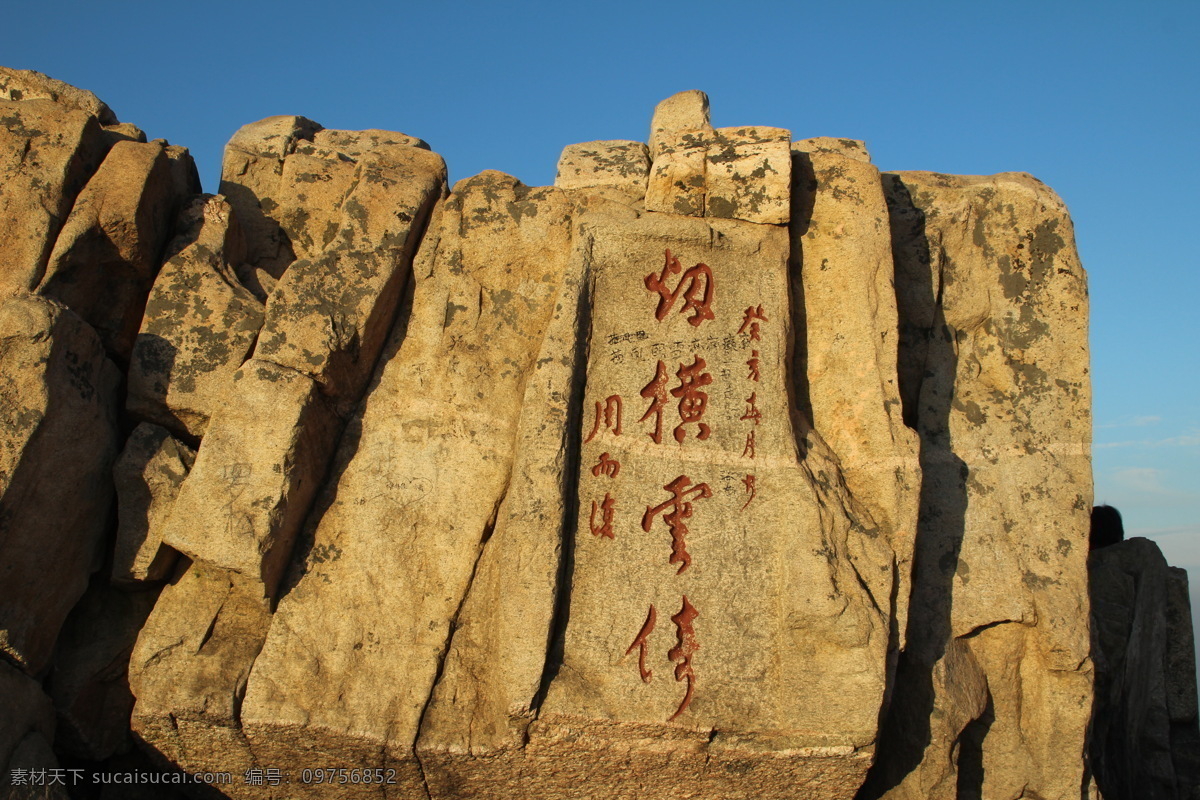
x,y
726,467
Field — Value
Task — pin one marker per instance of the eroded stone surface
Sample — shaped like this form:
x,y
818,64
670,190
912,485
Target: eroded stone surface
x,y
147,476
251,177
993,367
684,111
846,344
262,460
200,325
620,165
57,398
849,148
366,196
729,173
108,252
24,84
421,482
47,153
189,667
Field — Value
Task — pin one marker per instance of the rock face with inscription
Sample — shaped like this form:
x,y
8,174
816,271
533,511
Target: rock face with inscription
x,y
726,467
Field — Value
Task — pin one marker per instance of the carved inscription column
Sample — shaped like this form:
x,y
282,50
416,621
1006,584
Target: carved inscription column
x,y
674,590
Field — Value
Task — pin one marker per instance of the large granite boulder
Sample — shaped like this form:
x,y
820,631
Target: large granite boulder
x,y
58,395
993,365
1145,741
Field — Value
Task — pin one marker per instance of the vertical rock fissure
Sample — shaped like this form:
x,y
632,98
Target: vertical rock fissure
x,y
561,612
484,536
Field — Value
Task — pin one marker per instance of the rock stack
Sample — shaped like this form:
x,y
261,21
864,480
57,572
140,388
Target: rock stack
x,y
726,467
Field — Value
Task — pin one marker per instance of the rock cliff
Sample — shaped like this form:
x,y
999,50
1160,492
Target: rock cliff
x,y
726,467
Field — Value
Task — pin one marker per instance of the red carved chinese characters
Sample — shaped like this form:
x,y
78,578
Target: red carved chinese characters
x,y
656,392
611,414
751,320
681,510
604,529
697,296
642,644
607,465
682,653
752,412
692,401
752,363
748,452
748,482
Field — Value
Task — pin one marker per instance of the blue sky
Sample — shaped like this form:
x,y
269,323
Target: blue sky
x,y
1100,100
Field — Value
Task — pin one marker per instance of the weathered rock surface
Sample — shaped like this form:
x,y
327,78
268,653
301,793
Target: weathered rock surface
x,y
1145,741
23,84
47,153
201,323
730,173
189,667
57,411
364,198
251,177
488,280
846,341
994,375
726,468
108,252
619,165
262,460
147,476
268,441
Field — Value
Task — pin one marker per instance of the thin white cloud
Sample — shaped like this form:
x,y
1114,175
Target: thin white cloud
x,y
1146,480
1132,422
1189,439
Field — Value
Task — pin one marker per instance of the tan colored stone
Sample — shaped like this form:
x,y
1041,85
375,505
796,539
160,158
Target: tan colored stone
x,y
124,132
108,252
262,460
370,200
47,153
493,672
147,476
684,111
57,411
676,183
89,681
621,165
846,344
730,173
958,692
24,84
993,367
189,666
790,606
200,324
251,178
849,148
421,482
748,175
